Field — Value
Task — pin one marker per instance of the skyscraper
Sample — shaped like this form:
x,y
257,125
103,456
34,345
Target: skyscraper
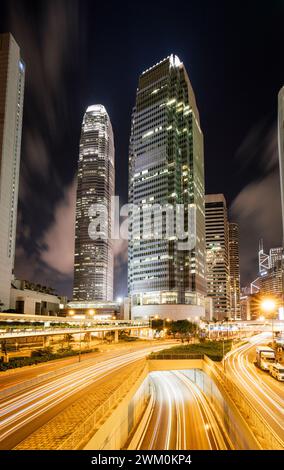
x,y
165,169
217,254
234,262
93,266
281,148
12,79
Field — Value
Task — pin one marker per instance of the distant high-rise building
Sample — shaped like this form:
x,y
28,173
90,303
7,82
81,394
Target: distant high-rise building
x,y
275,256
234,263
93,266
270,272
166,168
12,80
281,148
263,260
217,254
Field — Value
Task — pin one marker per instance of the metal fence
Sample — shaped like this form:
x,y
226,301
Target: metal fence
x,y
175,356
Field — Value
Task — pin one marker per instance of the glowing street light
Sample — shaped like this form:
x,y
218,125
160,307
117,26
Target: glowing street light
x,y
268,306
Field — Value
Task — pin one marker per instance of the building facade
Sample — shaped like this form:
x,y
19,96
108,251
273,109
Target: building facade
x,y
33,299
234,264
165,169
270,279
93,265
12,80
217,254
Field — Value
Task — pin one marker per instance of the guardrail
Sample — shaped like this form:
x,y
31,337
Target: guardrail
x,y
84,431
266,436
38,380
175,356
63,331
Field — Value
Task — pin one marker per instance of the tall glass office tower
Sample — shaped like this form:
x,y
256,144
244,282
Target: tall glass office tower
x,y
217,254
166,168
93,266
12,82
234,262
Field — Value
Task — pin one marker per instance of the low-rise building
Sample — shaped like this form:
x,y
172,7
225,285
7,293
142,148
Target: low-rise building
x,y
33,299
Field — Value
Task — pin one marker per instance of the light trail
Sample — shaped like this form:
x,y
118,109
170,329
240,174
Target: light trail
x,y
265,395
17,410
181,417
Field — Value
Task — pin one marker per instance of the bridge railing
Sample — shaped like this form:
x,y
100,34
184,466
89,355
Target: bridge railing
x,y
176,356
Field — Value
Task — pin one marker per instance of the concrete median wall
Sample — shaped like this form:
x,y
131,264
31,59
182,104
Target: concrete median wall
x,y
117,426
225,411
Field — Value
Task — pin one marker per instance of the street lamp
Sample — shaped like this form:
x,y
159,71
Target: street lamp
x,y
268,306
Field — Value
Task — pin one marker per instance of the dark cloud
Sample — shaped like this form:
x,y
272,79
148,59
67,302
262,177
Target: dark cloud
x,y
50,48
257,207
58,241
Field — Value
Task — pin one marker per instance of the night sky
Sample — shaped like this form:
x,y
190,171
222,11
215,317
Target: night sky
x,y
90,52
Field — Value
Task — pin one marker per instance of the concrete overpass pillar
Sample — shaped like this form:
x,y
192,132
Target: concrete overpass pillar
x,y
116,336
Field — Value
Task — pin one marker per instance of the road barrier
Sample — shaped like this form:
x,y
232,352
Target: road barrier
x,y
175,356
263,432
37,380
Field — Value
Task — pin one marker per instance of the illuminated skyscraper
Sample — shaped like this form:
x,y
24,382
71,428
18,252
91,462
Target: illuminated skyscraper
x,y
217,254
165,169
12,79
234,262
93,267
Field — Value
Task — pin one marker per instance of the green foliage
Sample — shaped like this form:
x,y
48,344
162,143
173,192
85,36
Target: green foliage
x,y
42,352
124,335
212,349
39,358
182,328
157,324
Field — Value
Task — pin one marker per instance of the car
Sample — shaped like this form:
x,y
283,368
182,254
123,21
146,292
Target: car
x,y
276,370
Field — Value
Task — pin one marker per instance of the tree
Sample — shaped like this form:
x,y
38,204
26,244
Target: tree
x,y
1,305
68,338
157,324
183,328
109,336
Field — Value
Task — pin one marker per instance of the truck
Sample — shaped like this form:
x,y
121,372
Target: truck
x,y
264,357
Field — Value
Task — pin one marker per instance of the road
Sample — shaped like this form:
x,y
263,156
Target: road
x,y
181,417
263,391
13,377
23,412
